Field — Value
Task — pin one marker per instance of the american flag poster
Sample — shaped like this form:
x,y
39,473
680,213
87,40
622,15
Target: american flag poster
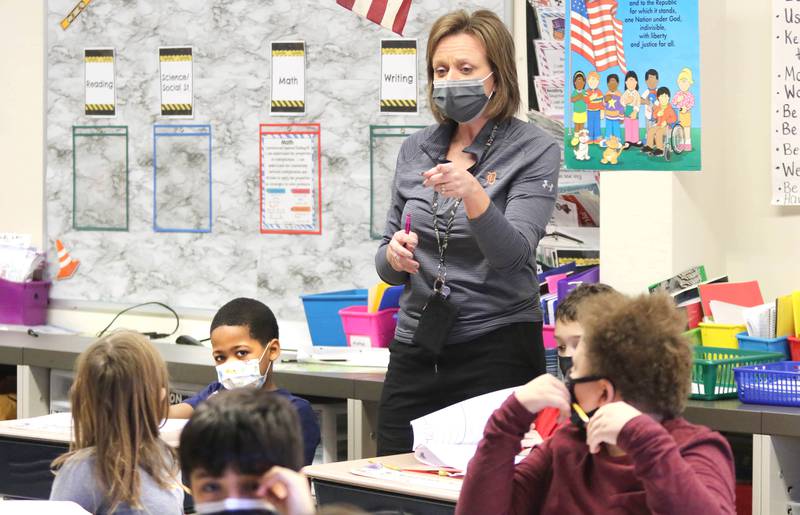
x,y
632,85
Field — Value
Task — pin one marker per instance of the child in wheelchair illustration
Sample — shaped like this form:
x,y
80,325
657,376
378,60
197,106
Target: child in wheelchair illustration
x,y
666,137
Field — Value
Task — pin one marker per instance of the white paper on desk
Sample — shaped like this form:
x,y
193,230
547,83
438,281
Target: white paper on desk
x,y
346,356
60,424
56,423
376,471
449,437
726,313
445,454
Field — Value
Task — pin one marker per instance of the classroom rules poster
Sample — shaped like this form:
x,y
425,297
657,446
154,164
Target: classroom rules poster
x,y
632,85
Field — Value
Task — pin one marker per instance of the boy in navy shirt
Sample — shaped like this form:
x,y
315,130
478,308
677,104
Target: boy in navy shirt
x,y
244,344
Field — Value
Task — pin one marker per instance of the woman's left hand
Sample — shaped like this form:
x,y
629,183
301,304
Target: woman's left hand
x,y
450,181
605,425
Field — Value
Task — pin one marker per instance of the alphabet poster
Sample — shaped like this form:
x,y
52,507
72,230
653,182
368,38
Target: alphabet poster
x,y
175,70
99,81
288,78
785,103
398,76
632,92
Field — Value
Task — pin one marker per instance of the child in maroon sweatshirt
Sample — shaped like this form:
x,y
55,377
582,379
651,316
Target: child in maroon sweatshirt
x,y
631,374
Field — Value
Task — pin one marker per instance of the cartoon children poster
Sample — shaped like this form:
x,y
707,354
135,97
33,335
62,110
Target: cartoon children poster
x,y
632,95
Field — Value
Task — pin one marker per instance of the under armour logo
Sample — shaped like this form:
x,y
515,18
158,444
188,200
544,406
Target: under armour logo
x,y
547,185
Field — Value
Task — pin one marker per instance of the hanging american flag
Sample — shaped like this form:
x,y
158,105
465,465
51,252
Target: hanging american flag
x,y
390,14
596,33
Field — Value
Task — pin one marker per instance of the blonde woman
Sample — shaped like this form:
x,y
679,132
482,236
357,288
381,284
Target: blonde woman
x,y
117,463
480,187
684,101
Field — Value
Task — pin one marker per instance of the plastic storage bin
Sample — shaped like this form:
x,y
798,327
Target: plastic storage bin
x,y
548,337
322,314
695,336
720,335
24,303
712,370
366,330
764,344
771,383
794,348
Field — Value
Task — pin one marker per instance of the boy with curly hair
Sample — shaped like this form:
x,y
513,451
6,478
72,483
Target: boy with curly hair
x,y
628,450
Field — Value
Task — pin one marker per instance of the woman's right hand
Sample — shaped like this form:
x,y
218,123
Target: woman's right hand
x,y
543,392
400,252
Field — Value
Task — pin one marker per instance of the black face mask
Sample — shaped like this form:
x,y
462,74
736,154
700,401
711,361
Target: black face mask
x,y
571,382
564,363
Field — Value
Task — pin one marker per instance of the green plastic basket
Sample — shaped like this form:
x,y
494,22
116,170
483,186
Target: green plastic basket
x,y
712,370
694,336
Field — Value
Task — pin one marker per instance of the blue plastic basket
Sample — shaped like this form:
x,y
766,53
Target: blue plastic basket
x,y
322,315
772,383
764,344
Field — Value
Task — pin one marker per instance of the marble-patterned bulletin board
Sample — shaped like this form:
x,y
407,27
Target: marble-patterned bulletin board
x,y
231,68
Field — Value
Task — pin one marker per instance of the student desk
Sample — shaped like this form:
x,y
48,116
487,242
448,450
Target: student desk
x,y
333,483
27,453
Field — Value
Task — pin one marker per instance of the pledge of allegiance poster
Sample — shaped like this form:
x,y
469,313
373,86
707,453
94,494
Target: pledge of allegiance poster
x,y
632,88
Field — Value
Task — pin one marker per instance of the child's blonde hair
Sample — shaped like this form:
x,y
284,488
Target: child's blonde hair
x,y
118,401
685,73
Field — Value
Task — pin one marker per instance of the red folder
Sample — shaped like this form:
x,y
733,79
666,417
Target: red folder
x,y
747,294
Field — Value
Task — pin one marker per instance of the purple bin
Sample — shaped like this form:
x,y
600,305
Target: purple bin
x,y
24,303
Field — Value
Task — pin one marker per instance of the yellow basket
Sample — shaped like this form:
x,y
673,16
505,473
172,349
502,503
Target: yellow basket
x,y
721,335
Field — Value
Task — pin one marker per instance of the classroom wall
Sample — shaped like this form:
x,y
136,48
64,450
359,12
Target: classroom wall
x,y
721,217
22,56
761,239
653,224
231,93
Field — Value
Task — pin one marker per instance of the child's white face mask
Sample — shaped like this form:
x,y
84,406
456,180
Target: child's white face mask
x,y
236,373
234,504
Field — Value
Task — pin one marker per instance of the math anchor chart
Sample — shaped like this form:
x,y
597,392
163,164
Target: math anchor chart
x,y
785,94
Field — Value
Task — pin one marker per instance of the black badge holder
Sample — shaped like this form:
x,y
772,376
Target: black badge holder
x,y
438,317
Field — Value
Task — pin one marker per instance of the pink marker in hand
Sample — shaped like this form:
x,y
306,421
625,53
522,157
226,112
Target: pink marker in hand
x,y
408,223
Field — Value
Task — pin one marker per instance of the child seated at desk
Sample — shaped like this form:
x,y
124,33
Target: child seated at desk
x,y
242,449
568,332
628,449
241,453
244,345
117,463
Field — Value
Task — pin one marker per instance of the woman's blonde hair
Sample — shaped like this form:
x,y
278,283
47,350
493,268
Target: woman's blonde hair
x,y
118,401
487,28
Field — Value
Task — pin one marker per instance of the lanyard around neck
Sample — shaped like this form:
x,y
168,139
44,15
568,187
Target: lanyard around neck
x,y
441,243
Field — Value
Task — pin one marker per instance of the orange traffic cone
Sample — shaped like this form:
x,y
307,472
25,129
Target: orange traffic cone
x,y
66,265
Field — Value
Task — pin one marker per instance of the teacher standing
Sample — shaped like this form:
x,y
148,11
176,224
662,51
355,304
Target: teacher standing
x,y
479,187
